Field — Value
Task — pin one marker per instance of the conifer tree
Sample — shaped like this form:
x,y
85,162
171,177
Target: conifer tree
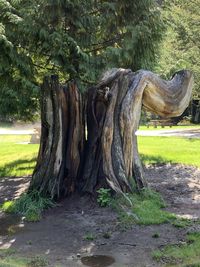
x,y
75,39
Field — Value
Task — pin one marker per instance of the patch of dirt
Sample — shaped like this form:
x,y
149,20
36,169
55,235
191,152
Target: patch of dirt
x,y
180,187
63,236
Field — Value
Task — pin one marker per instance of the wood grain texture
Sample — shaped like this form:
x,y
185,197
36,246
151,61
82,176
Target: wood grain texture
x,y
88,141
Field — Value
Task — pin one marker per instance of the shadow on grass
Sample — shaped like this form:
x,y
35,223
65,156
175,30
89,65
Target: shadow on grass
x,y
146,159
18,166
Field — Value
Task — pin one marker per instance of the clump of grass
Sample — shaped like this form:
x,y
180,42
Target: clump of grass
x,y
143,208
156,235
186,254
107,235
37,262
89,237
7,252
9,259
30,205
181,222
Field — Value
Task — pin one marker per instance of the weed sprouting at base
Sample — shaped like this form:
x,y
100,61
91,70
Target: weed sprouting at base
x,y
104,197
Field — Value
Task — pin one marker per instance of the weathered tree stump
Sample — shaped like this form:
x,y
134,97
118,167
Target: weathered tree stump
x,y
88,141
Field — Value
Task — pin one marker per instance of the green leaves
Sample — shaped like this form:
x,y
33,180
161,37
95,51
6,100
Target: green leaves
x,y
180,48
104,197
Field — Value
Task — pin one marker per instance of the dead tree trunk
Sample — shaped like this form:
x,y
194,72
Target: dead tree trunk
x,y
62,139
101,151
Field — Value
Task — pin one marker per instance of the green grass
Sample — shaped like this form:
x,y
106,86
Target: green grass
x,y
182,255
145,208
8,258
169,149
17,159
89,237
30,205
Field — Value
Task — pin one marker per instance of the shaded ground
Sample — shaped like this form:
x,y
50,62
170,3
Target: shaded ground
x,y
62,235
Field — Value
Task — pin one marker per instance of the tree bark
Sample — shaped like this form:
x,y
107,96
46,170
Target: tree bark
x,y
62,139
101,150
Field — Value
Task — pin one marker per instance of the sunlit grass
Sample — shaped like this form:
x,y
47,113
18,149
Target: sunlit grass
x,y
9,258
169,149
145,208
17,159
182,255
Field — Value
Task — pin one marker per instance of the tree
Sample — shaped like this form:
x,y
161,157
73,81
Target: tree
x,y
110,111
18,87
181,42
77,40
74,39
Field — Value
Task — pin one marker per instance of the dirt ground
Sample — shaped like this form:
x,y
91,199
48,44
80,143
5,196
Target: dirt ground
x,y
62,234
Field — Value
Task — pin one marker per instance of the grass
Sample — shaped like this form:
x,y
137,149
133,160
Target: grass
x,y
145,208
28,205
169,149
89,237
182,255
17,159
8,258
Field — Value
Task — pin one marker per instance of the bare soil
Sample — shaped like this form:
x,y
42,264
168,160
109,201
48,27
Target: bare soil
x,y
63,234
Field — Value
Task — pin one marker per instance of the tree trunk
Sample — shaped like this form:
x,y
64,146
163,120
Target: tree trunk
x,y
93,144
62,139
195,111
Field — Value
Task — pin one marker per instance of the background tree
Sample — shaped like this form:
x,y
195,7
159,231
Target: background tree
x,y
180,47
18,87
75,39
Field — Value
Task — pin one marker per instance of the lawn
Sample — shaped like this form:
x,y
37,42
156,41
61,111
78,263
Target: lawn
x,y
16,157
169,149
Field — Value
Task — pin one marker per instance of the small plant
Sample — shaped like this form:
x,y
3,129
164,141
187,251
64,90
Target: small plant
x,y
89,237
107,235
104,197
156,235
30,205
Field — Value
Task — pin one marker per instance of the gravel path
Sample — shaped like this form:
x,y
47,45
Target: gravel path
x,y
30,129
187,133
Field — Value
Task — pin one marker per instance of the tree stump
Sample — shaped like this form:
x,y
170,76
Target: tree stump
x,y
88,141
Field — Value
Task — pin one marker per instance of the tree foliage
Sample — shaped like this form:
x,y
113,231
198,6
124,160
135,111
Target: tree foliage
x,y
75,39
180,47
